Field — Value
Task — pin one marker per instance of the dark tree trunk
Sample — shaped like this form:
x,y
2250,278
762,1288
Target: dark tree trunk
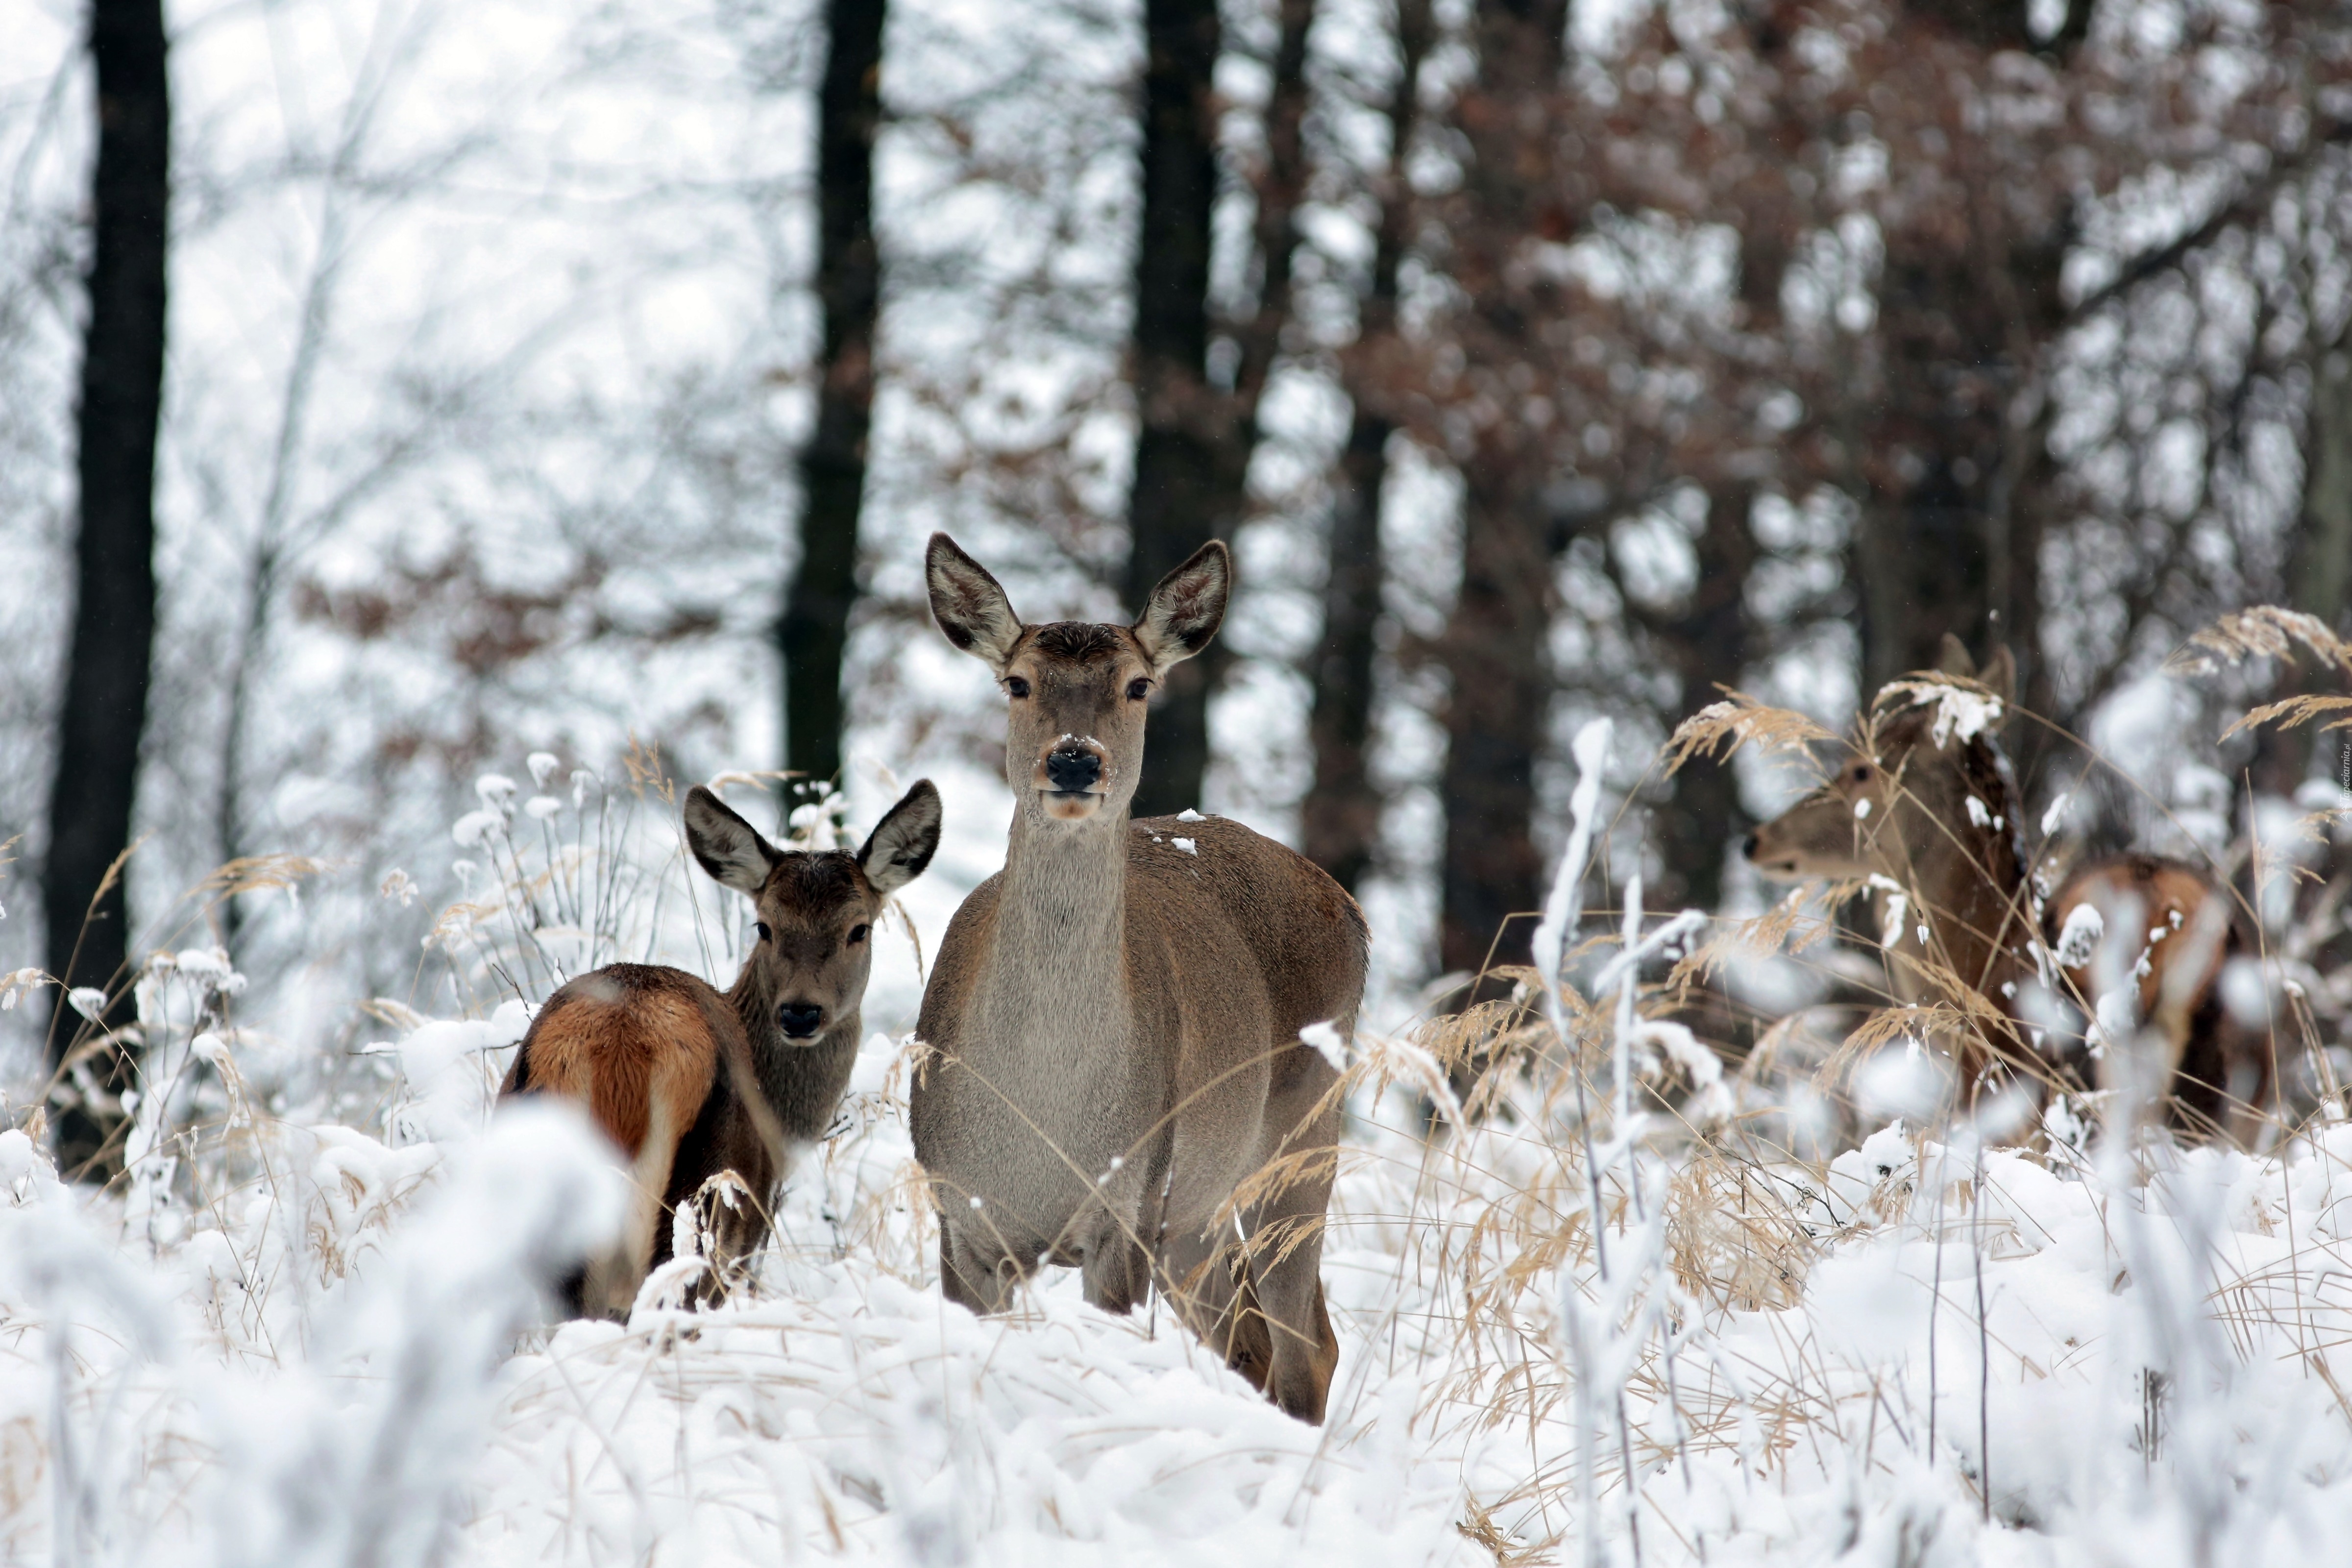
x,y
833,466
1501,690
1341,817
2319,567
1173,509
1494,645
1708,643
1955,492
105,708
2320,571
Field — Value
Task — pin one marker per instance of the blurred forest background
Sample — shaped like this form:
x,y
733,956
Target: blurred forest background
x,y
392,388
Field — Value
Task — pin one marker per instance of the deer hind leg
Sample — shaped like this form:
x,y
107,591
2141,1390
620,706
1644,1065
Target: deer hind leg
x,y
1256,1297
1284,1301
612,1281
1284,1293
1207,1282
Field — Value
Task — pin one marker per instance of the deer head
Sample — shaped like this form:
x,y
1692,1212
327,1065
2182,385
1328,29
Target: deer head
x,y
1077,690
816,910
1901,788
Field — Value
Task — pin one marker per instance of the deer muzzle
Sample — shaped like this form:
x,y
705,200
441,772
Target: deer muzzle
x,y
1071,778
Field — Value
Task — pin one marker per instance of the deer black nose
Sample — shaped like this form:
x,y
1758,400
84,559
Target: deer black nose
x,y
799,1019
1748,847
1072,771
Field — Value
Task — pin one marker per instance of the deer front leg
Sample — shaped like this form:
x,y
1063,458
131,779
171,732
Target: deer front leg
x,y
737,1218
976,1268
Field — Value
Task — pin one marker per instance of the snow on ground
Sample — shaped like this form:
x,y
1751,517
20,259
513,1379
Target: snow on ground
x,y
327,1356
316,1369
307,1332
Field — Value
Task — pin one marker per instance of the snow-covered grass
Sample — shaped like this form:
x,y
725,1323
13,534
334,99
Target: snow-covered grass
x,y
313,1370
1583,1327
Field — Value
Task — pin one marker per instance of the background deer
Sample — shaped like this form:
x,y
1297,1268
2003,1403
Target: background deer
x,y
1116,1015
1925,805
690,1082
2162,932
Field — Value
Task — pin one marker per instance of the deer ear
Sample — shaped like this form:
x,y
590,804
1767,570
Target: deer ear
x,y
1999,675
1187,607
1953,658
726,846
970,603
903,841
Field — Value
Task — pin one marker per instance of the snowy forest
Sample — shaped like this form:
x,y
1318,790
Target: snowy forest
x,y
1793,559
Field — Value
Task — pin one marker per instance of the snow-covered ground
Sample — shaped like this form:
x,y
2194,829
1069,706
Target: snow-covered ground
x,y
307,1333
316,1369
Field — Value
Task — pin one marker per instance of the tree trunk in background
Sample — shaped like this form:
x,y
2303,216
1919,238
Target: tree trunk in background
x,y
2320,573
833,466
1341,819
1708,643
2319,569
1953,489
1494,645
1501,690
105,708
1173,510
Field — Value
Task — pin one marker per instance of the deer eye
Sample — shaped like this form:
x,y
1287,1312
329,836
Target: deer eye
x,y
761,927
1860,774
857,933
1015,686
1139,688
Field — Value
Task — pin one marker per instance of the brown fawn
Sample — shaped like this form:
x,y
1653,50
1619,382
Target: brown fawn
x,y
2167,930
1118,1082
1925,807
690,1082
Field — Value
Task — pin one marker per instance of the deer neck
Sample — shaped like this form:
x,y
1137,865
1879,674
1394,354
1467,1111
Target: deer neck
x,y
1972,877
1058,964
752,1000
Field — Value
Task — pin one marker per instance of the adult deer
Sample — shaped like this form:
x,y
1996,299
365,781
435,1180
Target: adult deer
x,y
1116,1015
691,1082
1925,807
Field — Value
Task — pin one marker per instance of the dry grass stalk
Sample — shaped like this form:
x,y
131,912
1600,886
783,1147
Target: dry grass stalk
x,y
2293,712
1791,925
1719,729
2265,631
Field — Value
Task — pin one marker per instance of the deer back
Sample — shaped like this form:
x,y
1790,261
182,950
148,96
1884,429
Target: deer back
x,y
642,1048
1295,931
2170,929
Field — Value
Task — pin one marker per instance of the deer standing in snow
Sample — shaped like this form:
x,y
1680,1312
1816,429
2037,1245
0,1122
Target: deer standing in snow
x,y
691,1082
1925,807
1119,1083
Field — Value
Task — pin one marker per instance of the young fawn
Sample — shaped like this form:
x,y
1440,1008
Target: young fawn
x,y
690,1082
1119,1083
1924,807
2163,932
